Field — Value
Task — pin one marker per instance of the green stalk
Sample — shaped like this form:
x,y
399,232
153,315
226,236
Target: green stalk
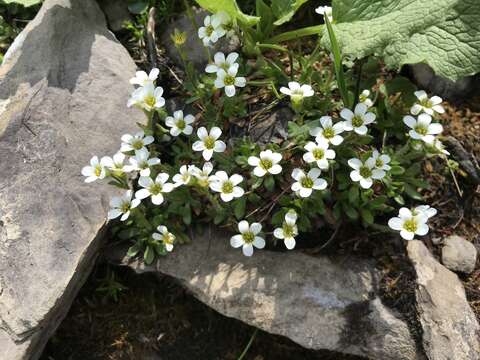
x,y
337,61
273,46
248,345
296,34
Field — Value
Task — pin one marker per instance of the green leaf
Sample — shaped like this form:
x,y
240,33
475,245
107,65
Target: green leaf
x,y
148,255
134,249
353,194
230,7
239,209
441,33
285,9
367,216
265,25
25,3
269,183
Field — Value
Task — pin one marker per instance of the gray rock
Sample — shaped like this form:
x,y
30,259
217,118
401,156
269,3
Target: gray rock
x,y
458,90
317,302
116,12
63,88
274,128
194,50
450,329
459,254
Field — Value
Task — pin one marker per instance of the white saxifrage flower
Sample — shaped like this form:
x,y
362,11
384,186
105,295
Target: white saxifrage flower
x,y
381,160
296,91
212,30
328,131
226,186
115,164
288,231
166,237
184,175
365,173
318,153
142,162
143,79
409,224
220,62
152,188
424,210
203,175
358,119
306,183
180,124
426,104
364,98
147,97
325,11
266,163
135,142
422,128
248,237
209,143
122,205
228,79
225,22
439,147
96,169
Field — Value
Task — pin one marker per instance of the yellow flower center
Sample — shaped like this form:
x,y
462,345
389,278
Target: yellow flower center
x,y
288,230
150,100
181,124
137,144
410,225
365,172
378,162
209,142
306,182
328,133
318,154
125,207
426,103
229,80
227,187
422,130
209,30
357,121
266,164
98,170
156,189
248,237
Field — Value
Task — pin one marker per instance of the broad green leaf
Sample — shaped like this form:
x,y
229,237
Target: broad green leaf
x,y
442,33
25,3
230,7
285,9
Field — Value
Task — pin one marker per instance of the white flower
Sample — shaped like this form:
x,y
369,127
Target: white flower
x,y
438,146
328,131
96,169
225,22
365,173
228,79
325,11
135,142
364,98
184,176
425,211
288,231
306,183
266,163
155,189
179,124
122,206
220,62
226,186
357,120
422,128
248,237
319,153
427,105
141,162
143,79
147,97
409,224
208,143
204,174
381,160
166,237
297,91
212,31
115,164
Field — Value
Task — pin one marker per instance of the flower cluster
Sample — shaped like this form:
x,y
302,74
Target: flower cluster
x,y
182,165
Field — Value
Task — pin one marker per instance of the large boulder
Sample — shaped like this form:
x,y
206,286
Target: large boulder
x,y
319,303
450,329
63,88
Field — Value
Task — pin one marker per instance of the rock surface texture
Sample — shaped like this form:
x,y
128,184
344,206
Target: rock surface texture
x,y
459,254
317,302
450,329
63,89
